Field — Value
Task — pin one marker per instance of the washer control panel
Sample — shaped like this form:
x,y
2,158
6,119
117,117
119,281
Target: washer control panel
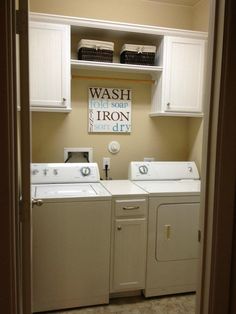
x,y
64,173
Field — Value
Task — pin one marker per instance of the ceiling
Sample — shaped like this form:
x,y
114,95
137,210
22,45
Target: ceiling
x,y
180,2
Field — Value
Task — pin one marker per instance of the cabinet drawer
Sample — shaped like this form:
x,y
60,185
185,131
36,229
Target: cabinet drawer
x,y
133,207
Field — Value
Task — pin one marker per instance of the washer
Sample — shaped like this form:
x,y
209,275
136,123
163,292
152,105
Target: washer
x,y
71,236
174,203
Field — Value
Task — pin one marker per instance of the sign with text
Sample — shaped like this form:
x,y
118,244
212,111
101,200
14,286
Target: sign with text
x,y
109,110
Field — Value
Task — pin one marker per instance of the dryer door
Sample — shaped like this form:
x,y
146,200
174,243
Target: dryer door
x,y
177,231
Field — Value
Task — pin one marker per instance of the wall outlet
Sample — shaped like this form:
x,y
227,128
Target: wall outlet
x,y
106,161
148,159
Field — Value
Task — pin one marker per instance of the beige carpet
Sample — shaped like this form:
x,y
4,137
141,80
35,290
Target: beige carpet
x,y
181,304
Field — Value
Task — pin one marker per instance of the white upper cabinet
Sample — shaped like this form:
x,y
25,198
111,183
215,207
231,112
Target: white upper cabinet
x,y
49,49
181,91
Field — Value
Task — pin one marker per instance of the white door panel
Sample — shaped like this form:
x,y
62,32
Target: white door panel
x,y
184,66
49,64
129,254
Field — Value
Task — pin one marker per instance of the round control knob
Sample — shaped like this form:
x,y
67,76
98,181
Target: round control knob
x,y
35,171
143,169
55,172
45,171
85,171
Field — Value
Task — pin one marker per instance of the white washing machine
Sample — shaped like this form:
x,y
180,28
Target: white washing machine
x,y
71,236
174,203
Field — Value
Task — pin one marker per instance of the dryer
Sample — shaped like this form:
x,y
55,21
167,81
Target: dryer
x,y
173,223
71,236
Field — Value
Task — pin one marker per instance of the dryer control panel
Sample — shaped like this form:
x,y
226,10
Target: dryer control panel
x,y
64,173
163,170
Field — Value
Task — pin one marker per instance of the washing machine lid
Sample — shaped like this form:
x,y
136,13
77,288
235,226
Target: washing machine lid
x,y
65,191
171,188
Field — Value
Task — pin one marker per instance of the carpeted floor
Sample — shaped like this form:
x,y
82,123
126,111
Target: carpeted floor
x,y
181,304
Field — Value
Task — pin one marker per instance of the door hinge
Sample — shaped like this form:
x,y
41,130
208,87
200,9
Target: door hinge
x,y
199,235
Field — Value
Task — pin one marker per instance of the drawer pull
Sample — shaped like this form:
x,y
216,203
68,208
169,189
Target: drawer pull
x,y
130,207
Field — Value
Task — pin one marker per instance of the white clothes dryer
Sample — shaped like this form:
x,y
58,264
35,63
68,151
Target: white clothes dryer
x,y
71,236
173,223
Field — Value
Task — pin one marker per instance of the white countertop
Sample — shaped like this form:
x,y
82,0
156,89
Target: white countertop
x,y
122,188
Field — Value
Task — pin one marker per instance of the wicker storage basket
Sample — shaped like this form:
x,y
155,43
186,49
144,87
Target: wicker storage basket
x,y
94,50
138,54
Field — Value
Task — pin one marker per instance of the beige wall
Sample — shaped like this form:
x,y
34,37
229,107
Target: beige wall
x,y
130,11
201,15
195,132
162,138
200,22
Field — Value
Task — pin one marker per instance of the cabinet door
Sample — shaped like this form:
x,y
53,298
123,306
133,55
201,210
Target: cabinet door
x,y
129,260
49,46
183,74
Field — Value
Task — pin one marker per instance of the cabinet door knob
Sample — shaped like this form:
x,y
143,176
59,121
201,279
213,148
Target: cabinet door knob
x,y
119,228
168,105
64,99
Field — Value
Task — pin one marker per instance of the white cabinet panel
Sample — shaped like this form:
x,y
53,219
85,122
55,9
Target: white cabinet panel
x,y
183,74
129,261
49,65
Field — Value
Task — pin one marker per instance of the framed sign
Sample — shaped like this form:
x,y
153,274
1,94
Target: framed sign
x,y
109,110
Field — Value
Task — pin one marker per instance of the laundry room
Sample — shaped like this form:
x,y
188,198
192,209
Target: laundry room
x,y
117,147
163,137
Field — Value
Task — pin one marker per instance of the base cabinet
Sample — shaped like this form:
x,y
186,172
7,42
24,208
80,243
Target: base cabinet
x,y
128,267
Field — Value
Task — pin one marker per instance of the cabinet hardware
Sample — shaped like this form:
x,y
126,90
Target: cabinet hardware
x,y
130,207
119,228
167,227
